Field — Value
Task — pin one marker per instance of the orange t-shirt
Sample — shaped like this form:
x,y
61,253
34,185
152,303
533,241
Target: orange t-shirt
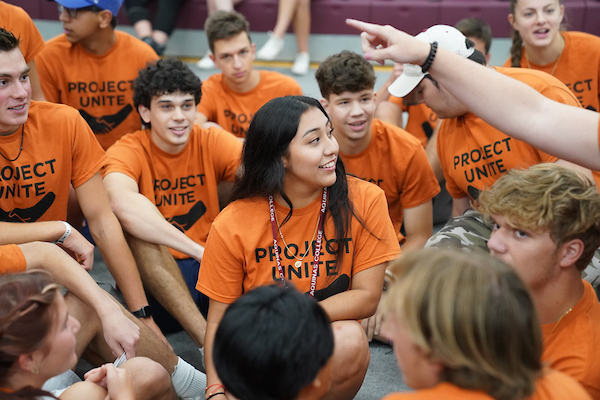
x,y
473,154
100,87
396,162
59,149
422,121
233,111
239,252
16,20
571,348
11,259
578,67
553,385
183,186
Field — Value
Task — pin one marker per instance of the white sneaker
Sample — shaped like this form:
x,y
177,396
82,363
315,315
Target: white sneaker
x,y
301,64
205,62
271,49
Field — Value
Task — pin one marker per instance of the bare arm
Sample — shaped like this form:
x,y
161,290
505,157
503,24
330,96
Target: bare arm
x,y
509,105
140,217
361,300
459,206
418,224
50,231
432,155
119,332
216,310
34,79
108,235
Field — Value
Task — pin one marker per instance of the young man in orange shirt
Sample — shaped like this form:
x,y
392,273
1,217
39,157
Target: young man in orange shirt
x,y
44,149
162,183
91,67
231,98
376,151
546,225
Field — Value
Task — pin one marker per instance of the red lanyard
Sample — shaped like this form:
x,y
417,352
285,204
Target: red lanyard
x,y
315,271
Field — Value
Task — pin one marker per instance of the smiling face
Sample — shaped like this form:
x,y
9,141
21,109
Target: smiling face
x,y
311,156
171,117
58,353
15,91
533,255
351,114
234,57
537,21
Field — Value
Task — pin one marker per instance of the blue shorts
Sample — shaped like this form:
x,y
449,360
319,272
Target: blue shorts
x,y
189,268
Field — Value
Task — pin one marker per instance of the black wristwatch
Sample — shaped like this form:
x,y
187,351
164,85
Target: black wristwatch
x,y
144,312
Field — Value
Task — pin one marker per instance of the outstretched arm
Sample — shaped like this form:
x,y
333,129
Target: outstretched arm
x,y
509,105
119,332
140,217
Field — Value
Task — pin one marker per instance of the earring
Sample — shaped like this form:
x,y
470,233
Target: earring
x,y
35,370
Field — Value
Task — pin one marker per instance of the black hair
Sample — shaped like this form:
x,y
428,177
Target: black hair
x,y
8,41
164,77
268,138
271,343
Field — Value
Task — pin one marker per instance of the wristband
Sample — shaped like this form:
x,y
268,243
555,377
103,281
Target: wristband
x,y
65,235
144,312
213,385
427,64
214,394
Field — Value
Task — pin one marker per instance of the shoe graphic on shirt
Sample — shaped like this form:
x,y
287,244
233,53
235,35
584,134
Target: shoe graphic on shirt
x,y
185,221
473,192
107,123
30,214
340,285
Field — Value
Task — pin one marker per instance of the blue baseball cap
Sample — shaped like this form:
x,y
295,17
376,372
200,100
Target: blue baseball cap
x,y
111,5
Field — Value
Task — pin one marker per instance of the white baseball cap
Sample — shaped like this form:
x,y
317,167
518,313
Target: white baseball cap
x,y
448,38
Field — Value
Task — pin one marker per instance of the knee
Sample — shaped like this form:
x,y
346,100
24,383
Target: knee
x,y
351,347
149,377
85,390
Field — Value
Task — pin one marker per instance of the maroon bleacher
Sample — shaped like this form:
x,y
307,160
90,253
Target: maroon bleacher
x,y
328,15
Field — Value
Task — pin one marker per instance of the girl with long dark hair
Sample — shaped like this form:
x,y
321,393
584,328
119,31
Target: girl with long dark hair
x,y
297,219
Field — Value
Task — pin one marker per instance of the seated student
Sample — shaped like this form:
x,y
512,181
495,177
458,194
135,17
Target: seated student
x,y
91,66
38,342
572,57
463,326
162,184
107,328
338,233
231,98
274,343
17,21
506,104
376,151
46,148
547,226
